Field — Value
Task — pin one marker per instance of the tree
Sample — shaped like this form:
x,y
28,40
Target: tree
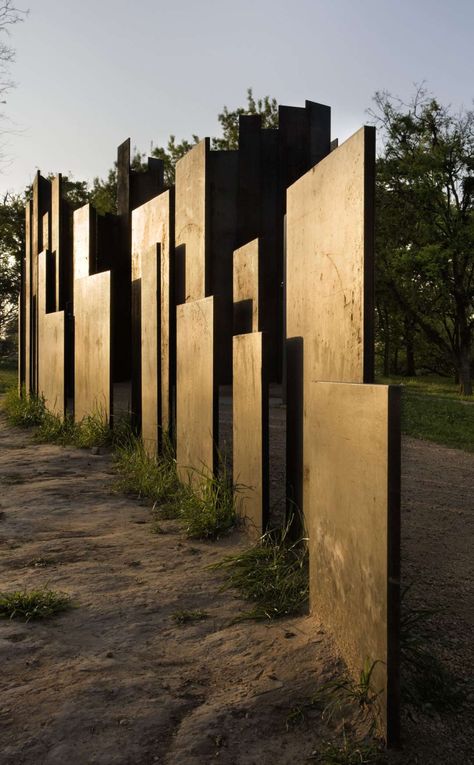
x,y
425,213
9,15
12,246
229,120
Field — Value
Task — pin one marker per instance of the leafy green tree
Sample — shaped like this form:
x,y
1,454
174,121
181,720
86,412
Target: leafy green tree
x,y
12,246
425,237
229,120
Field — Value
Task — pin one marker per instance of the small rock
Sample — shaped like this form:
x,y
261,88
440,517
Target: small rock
x,y
109,654
95,450
290,634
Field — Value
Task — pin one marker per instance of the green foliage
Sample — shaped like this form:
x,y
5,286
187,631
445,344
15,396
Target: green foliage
x,y
12,247
35,604
189,617
229,119
425,231
273,574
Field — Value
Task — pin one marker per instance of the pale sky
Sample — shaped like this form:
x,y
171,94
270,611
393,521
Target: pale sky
x,y
90,73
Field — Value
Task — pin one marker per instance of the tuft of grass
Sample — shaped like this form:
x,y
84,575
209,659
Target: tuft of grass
x,y
55,430
342,695
145,476
426,683
273,574
23,411
206,507
350,752
92,430
188,617
35,604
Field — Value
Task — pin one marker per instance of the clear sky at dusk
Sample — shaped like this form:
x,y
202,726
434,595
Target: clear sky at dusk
x,y
90,73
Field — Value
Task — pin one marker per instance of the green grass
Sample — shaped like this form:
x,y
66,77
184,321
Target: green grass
x,y
206,506
35,604
144,476
8,375
434,410
23,411
444,421
428,385
273,575
93,430
189,617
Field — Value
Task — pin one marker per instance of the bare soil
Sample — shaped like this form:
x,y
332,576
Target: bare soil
x,y
117,681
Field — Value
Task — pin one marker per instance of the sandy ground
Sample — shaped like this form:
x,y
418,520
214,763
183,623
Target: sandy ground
x,y
117,681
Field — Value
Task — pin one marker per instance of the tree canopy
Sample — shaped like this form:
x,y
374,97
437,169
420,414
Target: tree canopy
x,y
425,228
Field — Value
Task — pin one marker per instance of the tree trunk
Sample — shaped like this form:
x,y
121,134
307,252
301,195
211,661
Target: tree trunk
x,y
465,378
410,348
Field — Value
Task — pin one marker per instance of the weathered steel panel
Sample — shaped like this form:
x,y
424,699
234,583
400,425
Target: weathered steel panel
x,y
150,347
196,390
83,241
353,452
192,226
152,224
92,346
27,297
250,430
51,340
246,288
329,281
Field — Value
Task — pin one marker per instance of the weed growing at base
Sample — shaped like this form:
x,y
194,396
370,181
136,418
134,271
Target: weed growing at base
x,y
147,477
341,695
206,508
93,430
35,604
350,752
273,574
23,411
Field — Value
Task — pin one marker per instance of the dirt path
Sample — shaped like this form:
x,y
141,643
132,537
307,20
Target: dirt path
x,y
117,681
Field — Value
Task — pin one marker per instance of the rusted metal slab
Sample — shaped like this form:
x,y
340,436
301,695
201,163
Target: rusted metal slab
x,y
250,430
92,346
152,224
329,280
192,221
150,347
51,339
196,390
246,288
353,455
